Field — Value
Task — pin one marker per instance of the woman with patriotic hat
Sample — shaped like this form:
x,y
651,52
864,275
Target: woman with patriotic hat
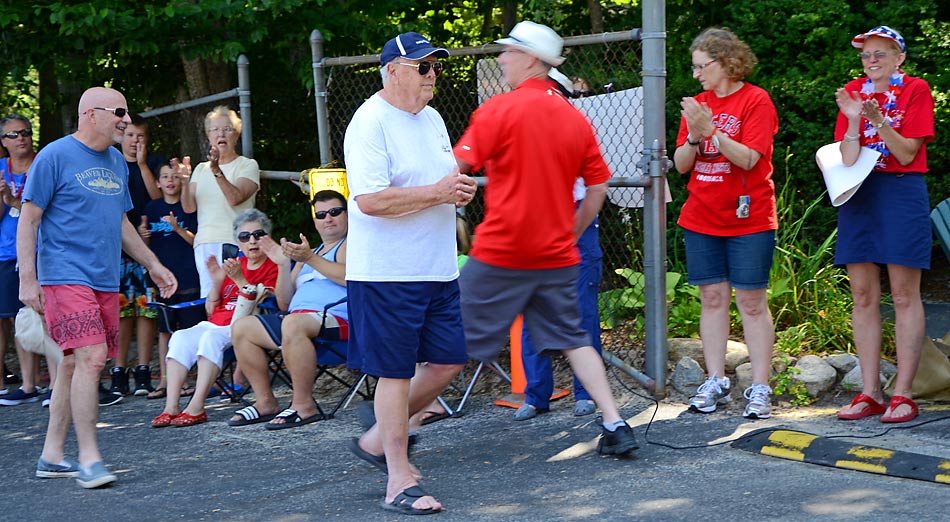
x,y
886,223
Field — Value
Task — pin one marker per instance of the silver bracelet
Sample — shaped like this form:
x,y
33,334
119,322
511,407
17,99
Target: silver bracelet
x,y
851,139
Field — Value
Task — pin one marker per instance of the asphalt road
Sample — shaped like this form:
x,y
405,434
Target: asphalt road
x,y
482,466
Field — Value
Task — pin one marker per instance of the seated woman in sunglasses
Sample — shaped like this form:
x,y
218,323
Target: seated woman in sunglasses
x,y
205,342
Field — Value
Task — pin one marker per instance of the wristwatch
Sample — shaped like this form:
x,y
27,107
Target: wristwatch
x,y
879,125
218,174
691,142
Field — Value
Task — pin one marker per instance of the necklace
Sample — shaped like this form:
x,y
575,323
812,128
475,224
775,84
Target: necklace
x,y
872,138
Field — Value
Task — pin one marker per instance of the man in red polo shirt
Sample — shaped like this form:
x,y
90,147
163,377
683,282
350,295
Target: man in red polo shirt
x,y
533,145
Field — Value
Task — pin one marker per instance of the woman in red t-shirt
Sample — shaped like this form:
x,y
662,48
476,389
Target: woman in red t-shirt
x,y
205,342
887,221
725,140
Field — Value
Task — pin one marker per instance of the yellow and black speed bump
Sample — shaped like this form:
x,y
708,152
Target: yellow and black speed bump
x,y
805,447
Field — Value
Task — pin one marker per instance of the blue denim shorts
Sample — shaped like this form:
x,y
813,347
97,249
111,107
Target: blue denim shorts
x,y
743,261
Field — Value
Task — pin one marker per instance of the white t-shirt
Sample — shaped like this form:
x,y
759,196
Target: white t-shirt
x,y
215,215
387,147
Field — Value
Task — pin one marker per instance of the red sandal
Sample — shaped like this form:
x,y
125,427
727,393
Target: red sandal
x,y
900,400
873,408
185,419
164,420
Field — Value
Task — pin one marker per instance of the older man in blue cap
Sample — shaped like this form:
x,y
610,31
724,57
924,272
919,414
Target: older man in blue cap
x,y
401,266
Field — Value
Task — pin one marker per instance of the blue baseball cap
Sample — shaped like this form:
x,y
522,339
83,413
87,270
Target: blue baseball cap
x,y
881,31
412,46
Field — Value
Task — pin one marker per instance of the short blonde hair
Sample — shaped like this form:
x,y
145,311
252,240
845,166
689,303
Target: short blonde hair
x,y
734,56
226,112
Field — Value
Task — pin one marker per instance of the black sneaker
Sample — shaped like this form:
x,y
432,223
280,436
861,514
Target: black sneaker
x,y
618,442
108,397
143,380
120,380
11,378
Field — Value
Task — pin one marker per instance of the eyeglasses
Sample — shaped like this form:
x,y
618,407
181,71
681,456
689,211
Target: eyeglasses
x,y
244,237
12,135
878,55
334,212
424,67
700,68
226,130
119,112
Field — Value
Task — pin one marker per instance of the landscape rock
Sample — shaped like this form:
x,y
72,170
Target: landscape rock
x,y
842,362
817,375
680,347
736,354
888,369
688,375
743,377
852,381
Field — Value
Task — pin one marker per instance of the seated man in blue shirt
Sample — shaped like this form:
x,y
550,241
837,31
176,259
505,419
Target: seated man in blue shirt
x,y
317,279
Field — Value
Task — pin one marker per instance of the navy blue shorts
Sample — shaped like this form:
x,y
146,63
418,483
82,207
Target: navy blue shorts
x,y
331,331
887,221
9,289
394,325
744,261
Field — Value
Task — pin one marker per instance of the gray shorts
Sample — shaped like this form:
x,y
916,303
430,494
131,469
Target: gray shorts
x,y
492,297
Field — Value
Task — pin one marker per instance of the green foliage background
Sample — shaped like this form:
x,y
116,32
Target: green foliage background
x,y
803,48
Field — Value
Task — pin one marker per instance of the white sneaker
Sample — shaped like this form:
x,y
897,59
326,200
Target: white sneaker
x,y
760,402
710,394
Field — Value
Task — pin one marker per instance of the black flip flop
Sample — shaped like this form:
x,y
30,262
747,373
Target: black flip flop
x,y
377,461
403,502
292,419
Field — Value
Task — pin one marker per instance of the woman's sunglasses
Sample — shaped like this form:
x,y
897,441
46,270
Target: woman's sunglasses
x,y
244,237
322,214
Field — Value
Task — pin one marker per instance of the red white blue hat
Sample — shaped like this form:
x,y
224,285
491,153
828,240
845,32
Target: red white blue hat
x,y
881,31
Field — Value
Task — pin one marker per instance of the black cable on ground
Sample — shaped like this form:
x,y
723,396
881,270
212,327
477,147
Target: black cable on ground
x,y
656,408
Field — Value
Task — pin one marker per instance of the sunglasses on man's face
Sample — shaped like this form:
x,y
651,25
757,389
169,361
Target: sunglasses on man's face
x,y
424,67
334,212
244,237
119,112
12,135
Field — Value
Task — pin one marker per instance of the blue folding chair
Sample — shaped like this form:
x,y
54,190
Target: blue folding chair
x,y
940,218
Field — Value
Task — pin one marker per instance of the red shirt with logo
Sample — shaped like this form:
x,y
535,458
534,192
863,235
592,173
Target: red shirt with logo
x,y
266,274
715,184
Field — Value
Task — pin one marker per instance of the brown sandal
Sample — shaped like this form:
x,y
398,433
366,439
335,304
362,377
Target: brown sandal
x,y
157,393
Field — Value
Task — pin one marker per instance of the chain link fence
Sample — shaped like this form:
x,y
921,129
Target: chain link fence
x,y
607,74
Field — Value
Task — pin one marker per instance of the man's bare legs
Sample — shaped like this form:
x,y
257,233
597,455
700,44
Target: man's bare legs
x,y
297,330
395,401
60,412
588,367
84,400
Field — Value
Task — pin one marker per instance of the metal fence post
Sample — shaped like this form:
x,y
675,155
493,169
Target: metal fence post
x,y
654,264
244,97
320,95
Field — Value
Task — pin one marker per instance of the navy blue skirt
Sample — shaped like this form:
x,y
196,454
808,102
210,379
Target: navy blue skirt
x,y
886,222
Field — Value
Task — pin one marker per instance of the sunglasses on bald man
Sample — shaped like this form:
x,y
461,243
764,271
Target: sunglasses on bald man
x,y
119,112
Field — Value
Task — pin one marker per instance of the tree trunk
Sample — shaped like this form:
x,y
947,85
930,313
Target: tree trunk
x,y
203,77
596,17
509,15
